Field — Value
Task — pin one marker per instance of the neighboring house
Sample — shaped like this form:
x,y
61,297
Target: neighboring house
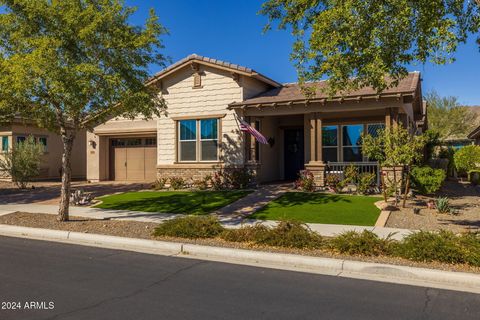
x,y
475,136
458,142
200,134
50,167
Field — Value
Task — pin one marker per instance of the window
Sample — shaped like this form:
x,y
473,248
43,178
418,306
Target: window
x,y
198,140
151,141
43,142
4,143
21,139
352,141
134,142
330,143
374,128
188,140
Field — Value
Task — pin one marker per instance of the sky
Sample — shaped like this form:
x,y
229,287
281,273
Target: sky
x,y
232,31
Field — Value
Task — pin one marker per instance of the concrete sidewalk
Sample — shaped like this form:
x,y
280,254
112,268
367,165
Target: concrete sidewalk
x,y
327,230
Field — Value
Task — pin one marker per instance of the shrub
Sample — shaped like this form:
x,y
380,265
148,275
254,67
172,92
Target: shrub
x,y
366,243
351,174
333,181
442,204
365,182
306,181
177,183
467,158
291,234
237,178
22,163
191,227
255,234
470,242
217,181
159,184
426,246
201,184
427,180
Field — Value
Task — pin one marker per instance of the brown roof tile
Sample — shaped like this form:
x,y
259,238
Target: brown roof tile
x,y
293,92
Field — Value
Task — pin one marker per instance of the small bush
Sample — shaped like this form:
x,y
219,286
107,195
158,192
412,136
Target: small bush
x,y
256,233
22,163
426,246
470,242
217,181
427,180
159,184
237,178
306,181
366,243
442,204
201,184
365,182
177,183
351,174
291,234
191,227
333,181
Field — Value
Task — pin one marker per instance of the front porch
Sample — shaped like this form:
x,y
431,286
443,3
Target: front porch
x,y
321,138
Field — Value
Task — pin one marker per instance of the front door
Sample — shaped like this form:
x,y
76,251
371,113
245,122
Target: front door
x,y
294,153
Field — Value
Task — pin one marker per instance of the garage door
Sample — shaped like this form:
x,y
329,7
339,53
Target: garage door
x,y
133,159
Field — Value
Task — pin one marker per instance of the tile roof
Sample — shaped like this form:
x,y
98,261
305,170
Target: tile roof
x,y
220,63
292,91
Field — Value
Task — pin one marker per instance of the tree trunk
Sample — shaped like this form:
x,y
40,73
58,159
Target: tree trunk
x,y
407,188
384,187
67,138
395,185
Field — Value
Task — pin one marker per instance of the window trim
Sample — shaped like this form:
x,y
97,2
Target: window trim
x,y
198,139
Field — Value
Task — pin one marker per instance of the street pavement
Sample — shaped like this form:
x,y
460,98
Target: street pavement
x,y
46,280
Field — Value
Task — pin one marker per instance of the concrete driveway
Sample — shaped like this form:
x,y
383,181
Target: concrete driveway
x,y
49,192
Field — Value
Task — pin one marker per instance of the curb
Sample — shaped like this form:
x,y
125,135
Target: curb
x,y
460,281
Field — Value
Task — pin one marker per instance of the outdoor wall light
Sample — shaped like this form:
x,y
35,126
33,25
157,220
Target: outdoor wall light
x,y
92,144
271,141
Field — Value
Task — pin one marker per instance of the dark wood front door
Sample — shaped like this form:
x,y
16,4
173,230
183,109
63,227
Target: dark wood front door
x,y
293,153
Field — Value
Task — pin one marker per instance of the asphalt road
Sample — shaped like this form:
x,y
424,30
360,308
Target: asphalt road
x,y
91,283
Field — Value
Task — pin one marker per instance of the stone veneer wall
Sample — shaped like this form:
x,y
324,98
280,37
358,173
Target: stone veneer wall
x,y
318,171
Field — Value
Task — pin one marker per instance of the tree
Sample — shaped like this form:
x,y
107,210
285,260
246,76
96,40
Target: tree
x,y
467,158
70,64
368,40
395,147
448,118
22,162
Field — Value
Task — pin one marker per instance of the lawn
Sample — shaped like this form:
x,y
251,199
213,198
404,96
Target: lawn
x,y
188,202
322,208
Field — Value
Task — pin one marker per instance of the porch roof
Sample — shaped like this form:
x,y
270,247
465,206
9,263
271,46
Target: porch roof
x,y
292,93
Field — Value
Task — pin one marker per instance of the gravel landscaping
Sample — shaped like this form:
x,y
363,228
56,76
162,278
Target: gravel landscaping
x,y
464,198
144,230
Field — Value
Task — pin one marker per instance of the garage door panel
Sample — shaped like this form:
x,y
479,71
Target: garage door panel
x,y
120,159
150,163
135,163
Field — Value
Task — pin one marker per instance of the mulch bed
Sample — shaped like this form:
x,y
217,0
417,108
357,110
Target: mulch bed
x,y
143,230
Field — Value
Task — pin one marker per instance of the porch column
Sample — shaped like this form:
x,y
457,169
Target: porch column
x,y
391,117
315,162
252,141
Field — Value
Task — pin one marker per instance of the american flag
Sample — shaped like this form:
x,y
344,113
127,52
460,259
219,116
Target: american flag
x,y
245,127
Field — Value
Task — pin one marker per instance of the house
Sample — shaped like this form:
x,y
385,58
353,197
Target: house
x,y
475,136
51,164
200,132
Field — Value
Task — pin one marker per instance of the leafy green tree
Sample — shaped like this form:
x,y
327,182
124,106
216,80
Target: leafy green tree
x,y
448,118
71,64
467,158
395,147
22,162
371,39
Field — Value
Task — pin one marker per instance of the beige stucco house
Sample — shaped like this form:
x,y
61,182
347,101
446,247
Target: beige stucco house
x,y
50,167
200,132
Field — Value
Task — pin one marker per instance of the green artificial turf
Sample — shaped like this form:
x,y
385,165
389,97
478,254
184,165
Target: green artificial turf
x,y
322,208
184,202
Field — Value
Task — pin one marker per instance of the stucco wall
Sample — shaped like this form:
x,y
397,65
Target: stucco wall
x,y
52,159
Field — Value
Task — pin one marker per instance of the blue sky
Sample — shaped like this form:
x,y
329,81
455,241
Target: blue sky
x,y
232,31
